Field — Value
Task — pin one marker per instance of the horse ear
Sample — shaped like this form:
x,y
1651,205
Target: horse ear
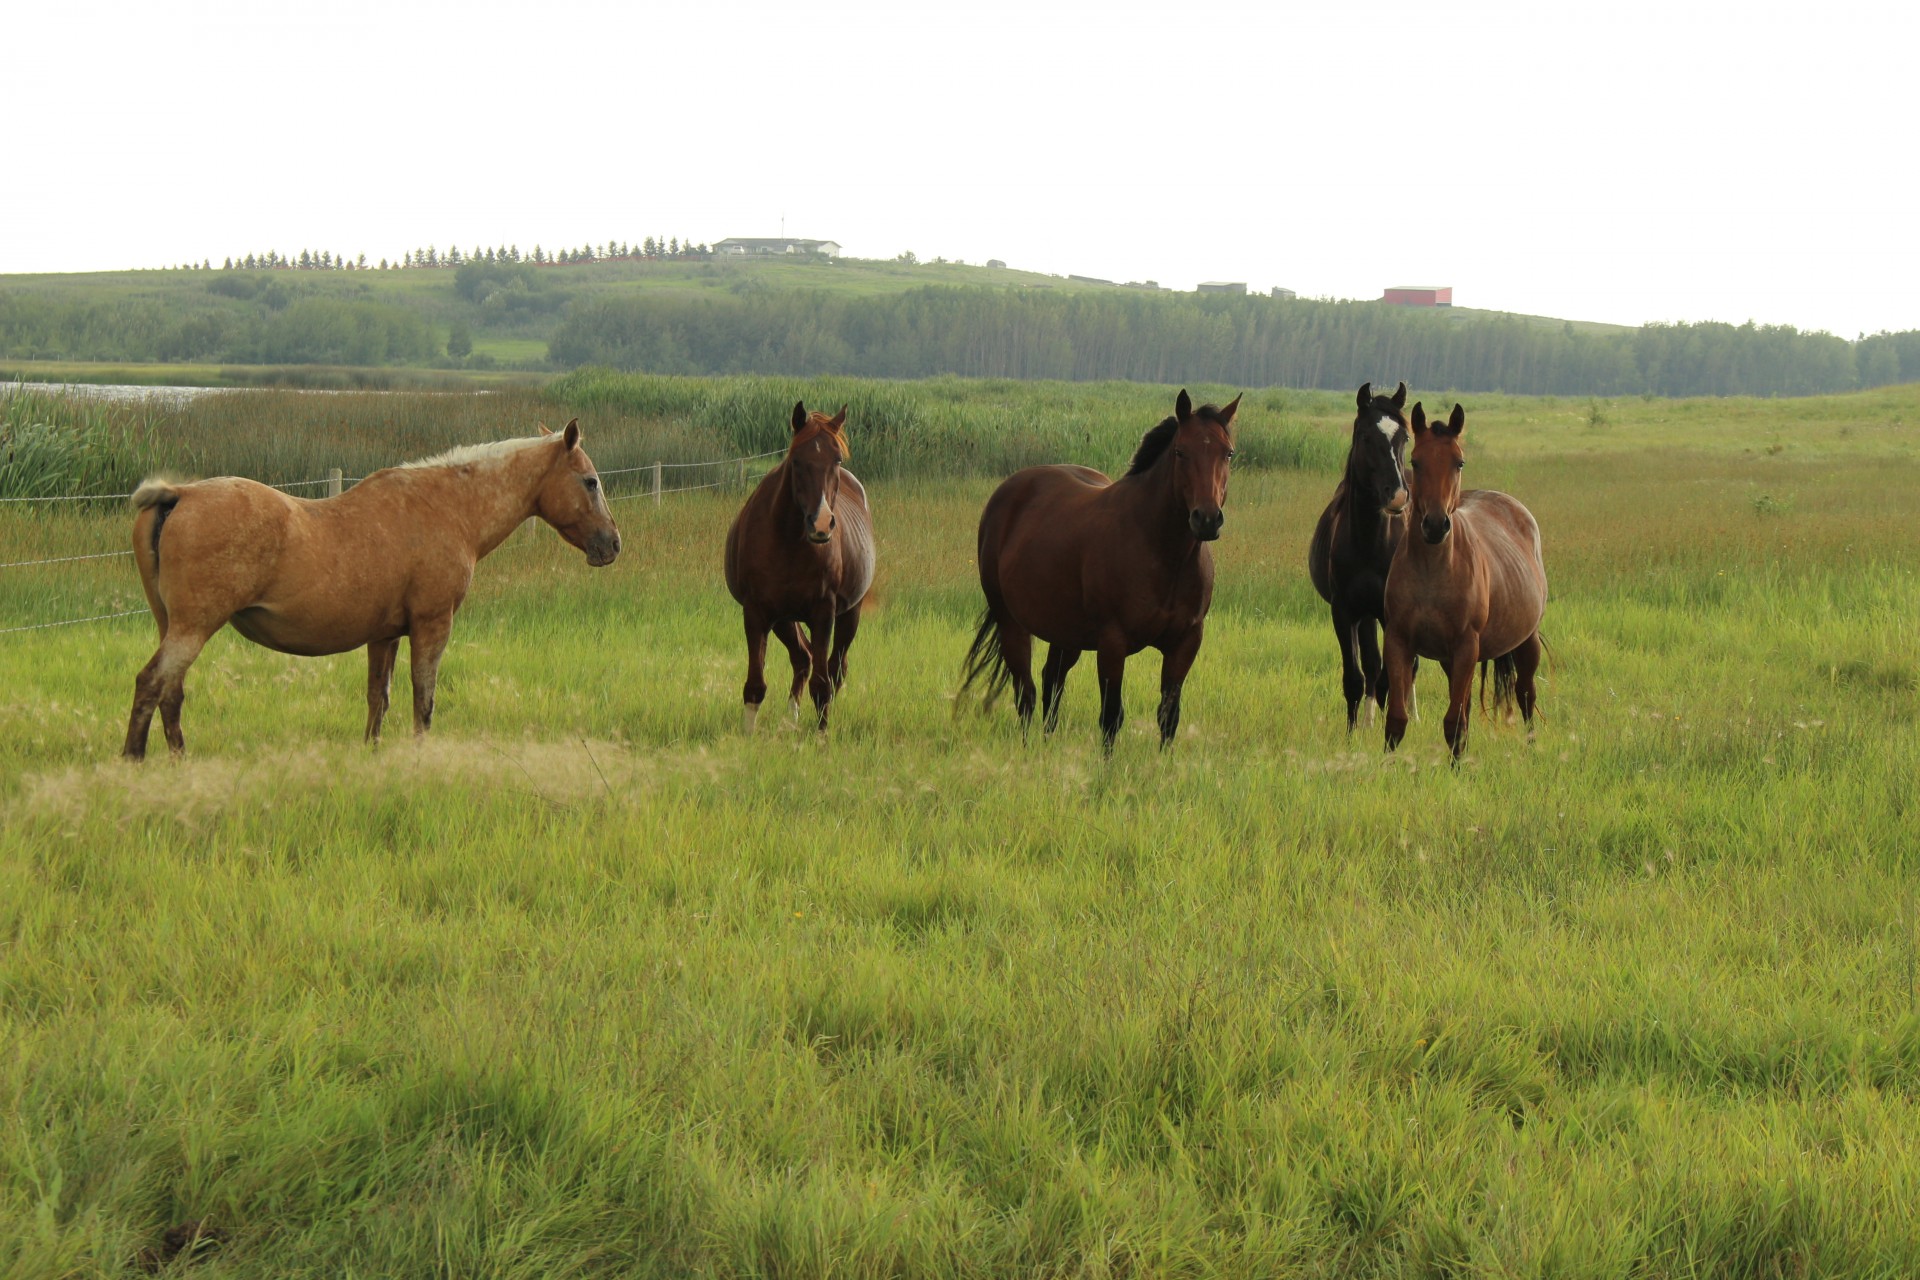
x,y
1232,407
1365,397
839,419
1418,421
1456,421
799,414
543,428
572,433
1400,396
1182,406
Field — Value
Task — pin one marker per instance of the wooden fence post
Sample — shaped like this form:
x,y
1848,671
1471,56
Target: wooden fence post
x,y
656,483
334,477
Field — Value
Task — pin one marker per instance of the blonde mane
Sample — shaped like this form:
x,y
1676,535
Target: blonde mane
x,y
492,450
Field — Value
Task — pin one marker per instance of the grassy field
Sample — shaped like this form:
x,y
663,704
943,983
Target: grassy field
x,y
589,983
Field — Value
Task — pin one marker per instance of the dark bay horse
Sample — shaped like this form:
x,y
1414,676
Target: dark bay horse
x,y
1354,542
391,557
1114,566
801,553
1468,586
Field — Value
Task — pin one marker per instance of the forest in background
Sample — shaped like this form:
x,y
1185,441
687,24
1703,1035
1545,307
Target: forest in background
x,y
817,317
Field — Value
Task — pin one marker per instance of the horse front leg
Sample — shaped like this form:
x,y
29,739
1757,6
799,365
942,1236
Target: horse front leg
x,y
1398,660
1353,683
1112,657
820,643
424,647
1373,672
1174,665
754,692
1466,654
845,627
802,663
381,655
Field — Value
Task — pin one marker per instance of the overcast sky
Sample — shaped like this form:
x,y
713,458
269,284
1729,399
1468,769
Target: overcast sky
x,y
1606,162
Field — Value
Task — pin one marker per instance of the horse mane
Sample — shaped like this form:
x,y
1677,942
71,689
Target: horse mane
x,y
817,426
1156,441
485,452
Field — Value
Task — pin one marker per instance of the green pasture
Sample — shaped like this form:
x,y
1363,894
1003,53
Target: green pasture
x,y
589,983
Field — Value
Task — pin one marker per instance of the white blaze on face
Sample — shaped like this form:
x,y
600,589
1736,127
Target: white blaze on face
x,y
1388,427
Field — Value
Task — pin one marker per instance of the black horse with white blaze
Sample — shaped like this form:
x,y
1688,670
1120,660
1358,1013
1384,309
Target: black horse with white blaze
x,y
1354,542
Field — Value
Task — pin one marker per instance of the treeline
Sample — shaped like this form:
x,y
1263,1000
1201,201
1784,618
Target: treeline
x,y
280,329
649,249
1242,341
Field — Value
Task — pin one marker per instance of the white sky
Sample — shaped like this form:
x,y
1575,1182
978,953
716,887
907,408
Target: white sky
x,y
1672,161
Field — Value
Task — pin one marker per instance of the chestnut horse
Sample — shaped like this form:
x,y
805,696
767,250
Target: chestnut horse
x,y
1470,588
1083,563
391,557
801,552
1354,542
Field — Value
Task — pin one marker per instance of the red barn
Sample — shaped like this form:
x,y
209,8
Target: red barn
x,y
1419,295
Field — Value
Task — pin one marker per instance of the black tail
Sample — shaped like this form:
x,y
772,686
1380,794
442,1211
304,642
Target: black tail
x,y
1505,672
985,659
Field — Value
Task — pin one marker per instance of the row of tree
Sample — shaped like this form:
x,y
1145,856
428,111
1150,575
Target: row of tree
x,y
650,249
1247,341
246,317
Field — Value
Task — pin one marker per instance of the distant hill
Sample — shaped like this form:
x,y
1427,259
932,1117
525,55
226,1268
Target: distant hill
x,y
813,316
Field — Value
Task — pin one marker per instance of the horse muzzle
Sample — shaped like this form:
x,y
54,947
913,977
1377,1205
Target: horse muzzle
x,y
602,549
1435,529
1396,504
1206,524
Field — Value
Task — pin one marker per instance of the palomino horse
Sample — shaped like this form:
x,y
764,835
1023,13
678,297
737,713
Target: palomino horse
x,y
801,552
1113,566
1354,542
390,557
1471,588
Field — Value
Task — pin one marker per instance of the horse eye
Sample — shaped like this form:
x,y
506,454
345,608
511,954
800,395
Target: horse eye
x,y
593,482
1459,466
1229,455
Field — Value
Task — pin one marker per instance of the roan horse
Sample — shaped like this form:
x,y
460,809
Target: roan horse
x,y
801,552
1469,588
1354,542
391,557
1114,566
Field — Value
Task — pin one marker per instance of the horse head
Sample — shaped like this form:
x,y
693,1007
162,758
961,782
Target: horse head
x,y
570,499
1202,449
1437,463
813,468
1374,461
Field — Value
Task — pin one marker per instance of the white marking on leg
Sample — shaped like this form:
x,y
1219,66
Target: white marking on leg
x,y
747,718
1372,707
793,706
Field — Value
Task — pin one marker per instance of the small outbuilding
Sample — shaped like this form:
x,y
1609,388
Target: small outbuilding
x,y
1419,295
1224,286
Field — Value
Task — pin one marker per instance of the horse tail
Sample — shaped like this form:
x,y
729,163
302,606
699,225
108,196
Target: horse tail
x,y
1506,673
984,659
160,497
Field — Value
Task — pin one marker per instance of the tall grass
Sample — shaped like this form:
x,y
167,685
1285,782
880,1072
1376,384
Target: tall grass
x,y
590,984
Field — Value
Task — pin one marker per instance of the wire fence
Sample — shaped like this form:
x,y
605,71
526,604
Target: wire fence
x,y
338,484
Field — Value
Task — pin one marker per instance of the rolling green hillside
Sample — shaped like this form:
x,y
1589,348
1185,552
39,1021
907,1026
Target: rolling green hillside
x,y
816,317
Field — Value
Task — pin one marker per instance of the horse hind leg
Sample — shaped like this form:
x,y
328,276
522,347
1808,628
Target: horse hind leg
x,y
1526,660
1373,673
161,685
1016,650
754,691
1053,683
